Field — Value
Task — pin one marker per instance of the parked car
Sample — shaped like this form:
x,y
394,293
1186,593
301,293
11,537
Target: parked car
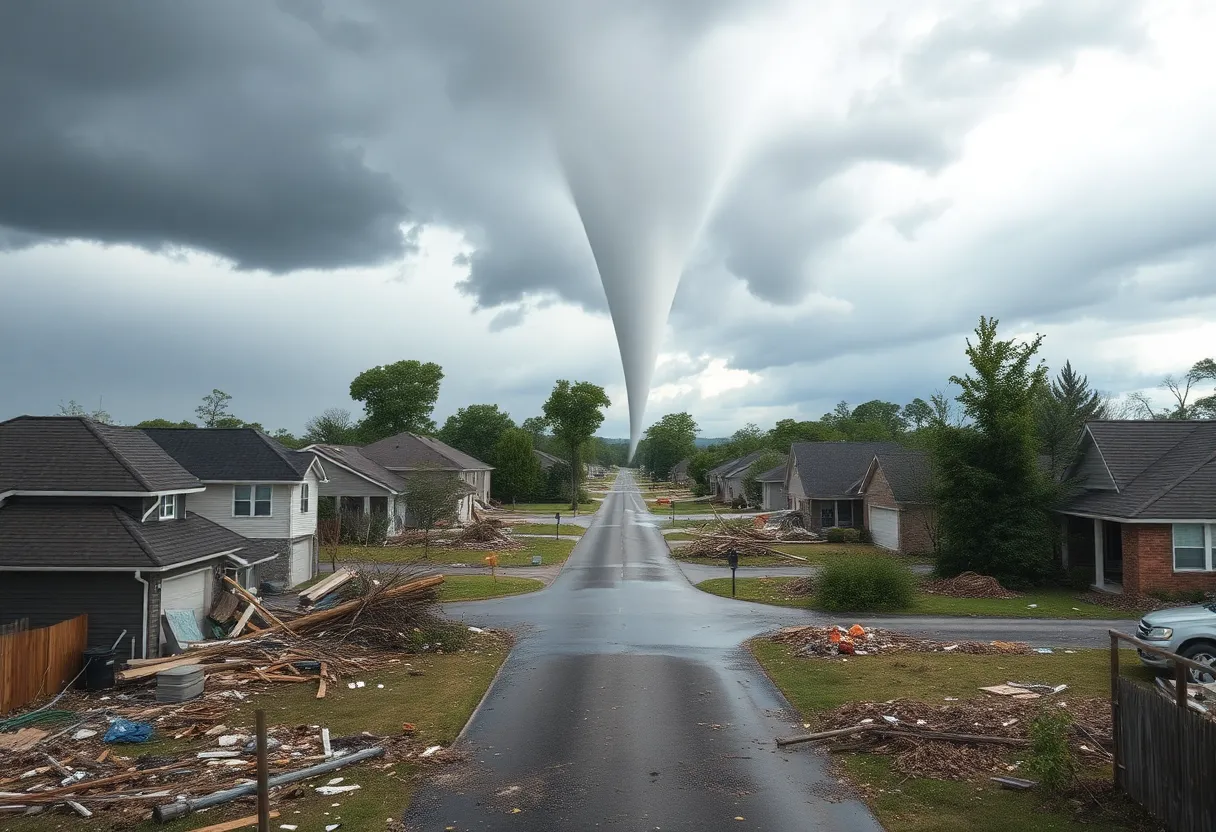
x,y
1188,631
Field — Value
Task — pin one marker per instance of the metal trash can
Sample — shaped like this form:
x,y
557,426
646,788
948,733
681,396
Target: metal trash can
x,y
99,668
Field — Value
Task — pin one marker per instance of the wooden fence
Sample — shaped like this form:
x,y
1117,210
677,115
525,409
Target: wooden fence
x,y
1165,753
39,663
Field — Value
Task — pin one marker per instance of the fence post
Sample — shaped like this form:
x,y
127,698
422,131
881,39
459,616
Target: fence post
x,y
1114,703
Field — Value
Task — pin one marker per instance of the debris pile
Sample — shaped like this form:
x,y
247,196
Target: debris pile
x,y
748,540
486,534
969,585
957,740
830,642
1128,602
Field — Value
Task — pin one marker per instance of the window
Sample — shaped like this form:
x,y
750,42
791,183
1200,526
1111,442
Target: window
x,y
1192,547
846,513
251,501
304,498
827,516
168,506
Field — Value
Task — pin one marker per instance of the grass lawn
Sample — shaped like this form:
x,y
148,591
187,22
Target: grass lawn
x,y
814,686
548,528
551,551
438,703
689,507
480,587
551,508
1051,603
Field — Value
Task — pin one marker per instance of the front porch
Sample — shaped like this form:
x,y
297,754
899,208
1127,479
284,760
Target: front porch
x,y
843,513
1097,545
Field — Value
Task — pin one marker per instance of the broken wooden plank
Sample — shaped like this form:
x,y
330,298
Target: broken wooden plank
x,y
823,735
242,622
253,599
321,687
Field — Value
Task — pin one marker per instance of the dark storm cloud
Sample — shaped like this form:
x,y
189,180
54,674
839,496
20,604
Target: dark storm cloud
x,y
223,126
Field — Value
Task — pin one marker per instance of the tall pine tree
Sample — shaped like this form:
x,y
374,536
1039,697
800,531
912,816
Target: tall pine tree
x,y
1061,413
993,500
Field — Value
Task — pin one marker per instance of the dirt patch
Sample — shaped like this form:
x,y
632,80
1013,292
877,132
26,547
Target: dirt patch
x,y
818,642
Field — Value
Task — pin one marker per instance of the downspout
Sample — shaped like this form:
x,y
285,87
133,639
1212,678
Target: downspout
x,y
143,638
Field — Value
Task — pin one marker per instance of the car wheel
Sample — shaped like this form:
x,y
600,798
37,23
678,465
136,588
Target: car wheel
x,y
1203,652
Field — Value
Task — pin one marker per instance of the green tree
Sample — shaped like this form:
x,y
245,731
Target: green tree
x,y
516,470
476,430
288,439
879,420
993,501
213,412
753,490
165,423
667,441
397,397
74,408
788,431
917,413
1181,389
335,426
575,412
1062,410
433,497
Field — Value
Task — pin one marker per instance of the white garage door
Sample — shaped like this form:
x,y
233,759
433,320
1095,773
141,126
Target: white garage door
x,y
187,592
301,562
884,527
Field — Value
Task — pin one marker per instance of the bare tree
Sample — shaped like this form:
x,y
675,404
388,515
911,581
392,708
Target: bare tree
x,y
433,497
74,408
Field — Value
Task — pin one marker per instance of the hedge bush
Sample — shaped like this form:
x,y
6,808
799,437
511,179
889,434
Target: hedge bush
x,y
837,534
866,584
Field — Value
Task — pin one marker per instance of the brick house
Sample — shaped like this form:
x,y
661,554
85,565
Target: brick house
x,y
896,502
1144,519
823,480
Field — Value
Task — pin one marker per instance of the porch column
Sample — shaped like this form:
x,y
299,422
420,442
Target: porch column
x,y
1064,541
1099,556
367,506
835,512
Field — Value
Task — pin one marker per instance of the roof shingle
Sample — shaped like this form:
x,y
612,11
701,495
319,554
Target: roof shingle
x,y
1164,470
835,469
71,535
232,454
909,475
408,451
351,456
71,453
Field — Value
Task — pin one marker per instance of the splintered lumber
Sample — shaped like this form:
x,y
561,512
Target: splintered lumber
x,y
323,588
321,687
56,795
304,624
242,621
230,825
824,735
270,617
181,808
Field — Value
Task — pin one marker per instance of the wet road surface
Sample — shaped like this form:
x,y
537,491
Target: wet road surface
x,y
629,703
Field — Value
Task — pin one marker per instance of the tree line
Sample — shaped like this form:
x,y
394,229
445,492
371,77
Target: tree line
x,y
401,397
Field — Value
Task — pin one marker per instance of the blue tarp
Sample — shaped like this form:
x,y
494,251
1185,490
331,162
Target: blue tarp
x,y
124,730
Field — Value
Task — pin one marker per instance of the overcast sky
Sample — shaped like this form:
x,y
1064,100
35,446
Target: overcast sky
x,y
269,197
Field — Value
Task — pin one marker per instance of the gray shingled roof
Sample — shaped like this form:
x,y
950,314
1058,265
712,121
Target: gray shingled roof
x,y
735,466
775,474
681,467
69,535
232,454
835,469
352,457
1164,470
409,451
70,453
909,475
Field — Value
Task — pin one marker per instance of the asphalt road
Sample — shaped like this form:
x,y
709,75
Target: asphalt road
x,y
629,704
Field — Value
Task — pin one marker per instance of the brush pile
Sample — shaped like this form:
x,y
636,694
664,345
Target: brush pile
x,y
824,642
961,740
749,540
969,585
484,535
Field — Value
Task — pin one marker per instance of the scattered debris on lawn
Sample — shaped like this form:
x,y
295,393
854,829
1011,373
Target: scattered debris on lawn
x,y
968,585
94,762
831,642
747,539
487,534
958,740
1129,603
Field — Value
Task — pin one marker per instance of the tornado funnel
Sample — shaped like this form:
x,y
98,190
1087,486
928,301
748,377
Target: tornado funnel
x,y
644,166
